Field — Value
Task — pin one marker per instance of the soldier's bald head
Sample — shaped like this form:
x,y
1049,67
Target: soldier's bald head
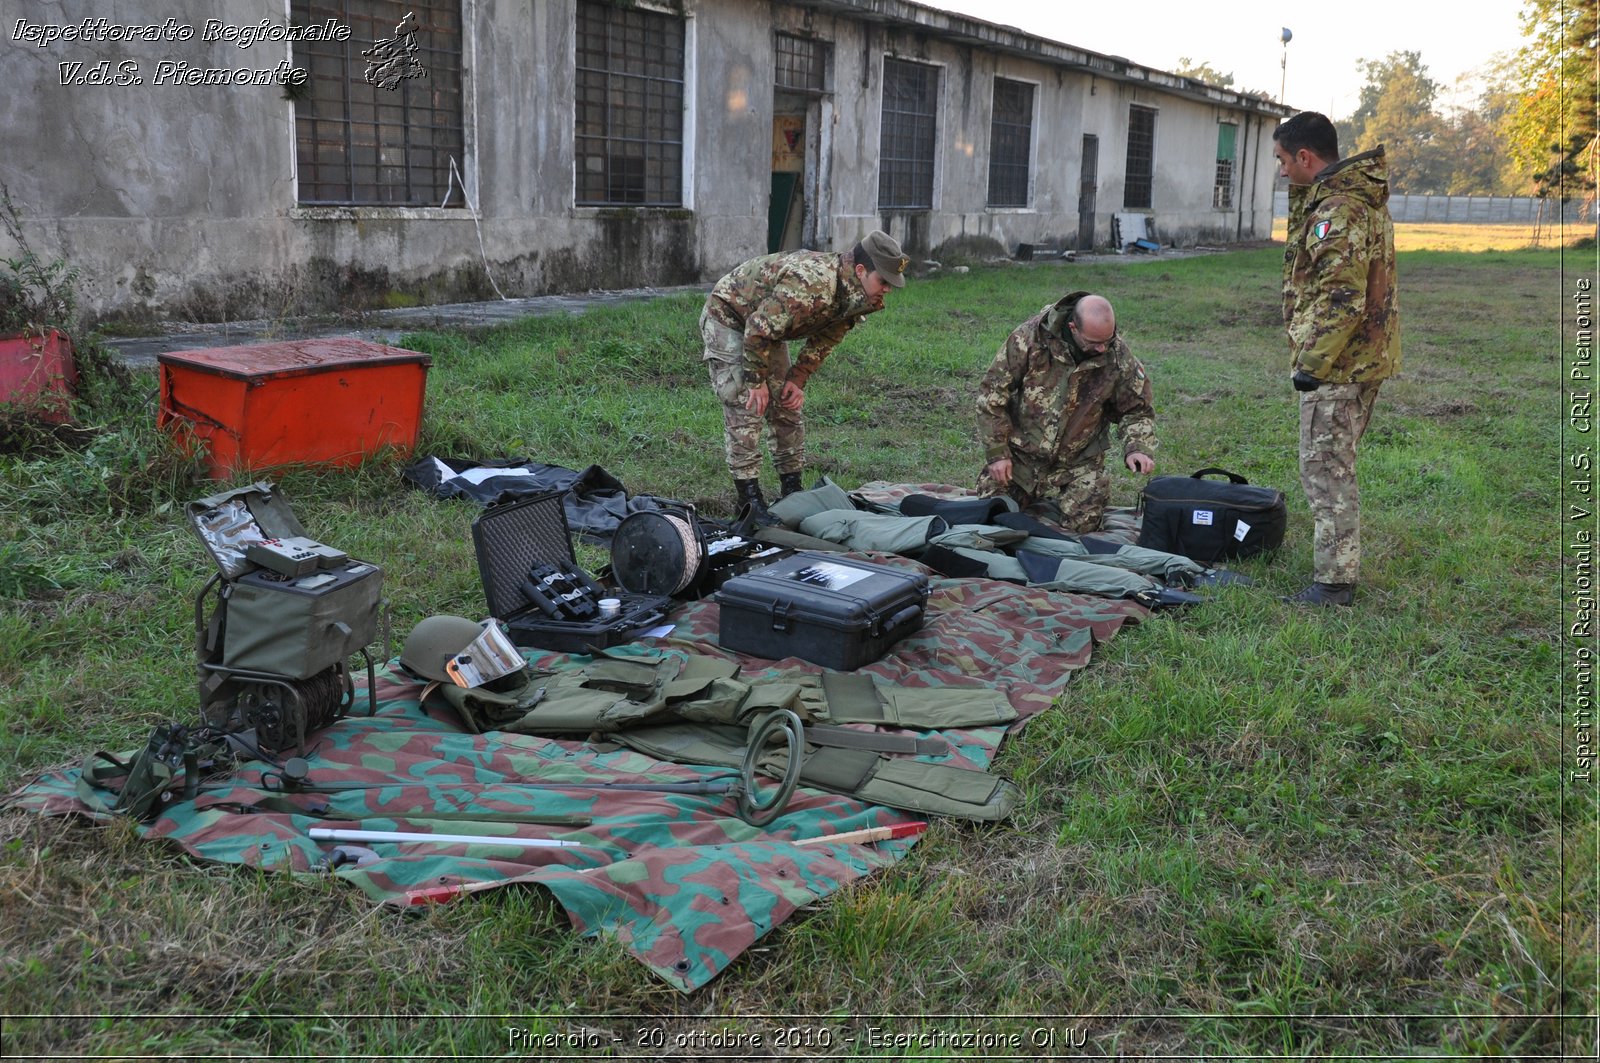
x,y
1093,314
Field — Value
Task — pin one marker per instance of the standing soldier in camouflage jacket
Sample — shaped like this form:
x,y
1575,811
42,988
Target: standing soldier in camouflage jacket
x,y
750,315
1343,320
1046,406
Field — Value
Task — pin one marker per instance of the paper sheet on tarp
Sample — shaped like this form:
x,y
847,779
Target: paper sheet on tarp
x,y
680,882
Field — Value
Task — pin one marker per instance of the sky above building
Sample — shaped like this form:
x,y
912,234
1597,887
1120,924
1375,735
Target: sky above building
x,y
1244,38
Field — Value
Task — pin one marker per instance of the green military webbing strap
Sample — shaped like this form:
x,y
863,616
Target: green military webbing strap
x,y
139,782
912,785
878,741
131,787
855,698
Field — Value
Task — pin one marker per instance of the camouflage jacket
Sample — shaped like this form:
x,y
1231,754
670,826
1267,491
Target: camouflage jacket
x,y
1339,299
1040,405
809,295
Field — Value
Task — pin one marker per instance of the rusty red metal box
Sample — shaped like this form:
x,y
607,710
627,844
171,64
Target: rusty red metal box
x,y
298,402
38,374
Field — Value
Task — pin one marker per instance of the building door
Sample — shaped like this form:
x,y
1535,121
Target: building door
x,y
787,206
1088,180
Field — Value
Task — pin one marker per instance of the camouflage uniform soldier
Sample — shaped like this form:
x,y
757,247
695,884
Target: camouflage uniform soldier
x,y
1046,406
1343,319
816,296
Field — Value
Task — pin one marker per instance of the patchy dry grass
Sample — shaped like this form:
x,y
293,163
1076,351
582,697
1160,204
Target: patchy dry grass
x,y
1465,236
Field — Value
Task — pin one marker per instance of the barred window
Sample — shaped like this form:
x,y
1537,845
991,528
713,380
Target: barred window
x,y
1010,142
801,63
358,142
905,155
629,116
1140,171
1222,191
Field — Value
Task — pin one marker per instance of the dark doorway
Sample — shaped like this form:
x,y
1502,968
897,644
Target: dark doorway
x,y
786,208
1088,180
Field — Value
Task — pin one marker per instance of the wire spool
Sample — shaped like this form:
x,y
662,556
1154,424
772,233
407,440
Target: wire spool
x,y
283,713
655,553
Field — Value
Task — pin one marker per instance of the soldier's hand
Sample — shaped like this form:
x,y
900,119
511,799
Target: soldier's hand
x,y
1140,462
1304,381
1000,471
757,402
792,397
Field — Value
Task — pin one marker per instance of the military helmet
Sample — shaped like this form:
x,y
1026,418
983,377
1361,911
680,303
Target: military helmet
x,y
434,641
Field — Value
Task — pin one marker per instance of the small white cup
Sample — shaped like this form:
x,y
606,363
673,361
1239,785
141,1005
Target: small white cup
x,y
610,607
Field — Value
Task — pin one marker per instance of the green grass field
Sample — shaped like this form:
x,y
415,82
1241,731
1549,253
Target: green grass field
x,y
1247,829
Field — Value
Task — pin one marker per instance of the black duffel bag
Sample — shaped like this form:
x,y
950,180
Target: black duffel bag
x,y
1211,520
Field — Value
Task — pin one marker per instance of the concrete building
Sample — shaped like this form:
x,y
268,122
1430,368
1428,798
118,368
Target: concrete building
x,y
249,158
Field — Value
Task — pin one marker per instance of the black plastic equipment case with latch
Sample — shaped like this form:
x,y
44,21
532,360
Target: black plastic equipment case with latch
x,y
828,609
513,539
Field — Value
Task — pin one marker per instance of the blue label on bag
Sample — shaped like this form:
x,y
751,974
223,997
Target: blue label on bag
x,y
1203,516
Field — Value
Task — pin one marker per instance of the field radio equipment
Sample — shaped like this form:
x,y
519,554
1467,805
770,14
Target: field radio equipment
x,y
277,624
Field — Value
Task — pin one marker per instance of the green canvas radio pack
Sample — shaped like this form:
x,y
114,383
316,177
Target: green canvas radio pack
x,y
278,623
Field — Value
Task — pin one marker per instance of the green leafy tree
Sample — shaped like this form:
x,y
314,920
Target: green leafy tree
x,y
1396,109
1550,133
1203,72
1474,144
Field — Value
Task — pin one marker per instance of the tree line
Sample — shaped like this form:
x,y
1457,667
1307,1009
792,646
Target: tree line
x,y
1531,131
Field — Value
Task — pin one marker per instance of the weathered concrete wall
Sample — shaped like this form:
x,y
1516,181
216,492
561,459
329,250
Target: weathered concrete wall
x,y
1068,105
179,201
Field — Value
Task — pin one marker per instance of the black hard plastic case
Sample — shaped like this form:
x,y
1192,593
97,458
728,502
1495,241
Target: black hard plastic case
x,y
828,609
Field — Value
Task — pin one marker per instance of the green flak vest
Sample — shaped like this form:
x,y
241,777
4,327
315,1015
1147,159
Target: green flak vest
x,y
632,688
689,709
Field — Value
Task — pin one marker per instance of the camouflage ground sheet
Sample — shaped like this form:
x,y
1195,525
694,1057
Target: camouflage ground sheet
x,y
677,879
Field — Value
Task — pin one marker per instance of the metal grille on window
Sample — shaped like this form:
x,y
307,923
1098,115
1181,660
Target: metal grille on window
x,y
905,156
1010,141
1222,191
801,63
628,129
1140,171
359,143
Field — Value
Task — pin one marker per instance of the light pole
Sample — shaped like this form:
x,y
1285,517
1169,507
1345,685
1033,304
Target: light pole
x,y
1283,64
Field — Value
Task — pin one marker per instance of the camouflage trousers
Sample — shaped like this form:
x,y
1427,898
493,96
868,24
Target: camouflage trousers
x,y
741,429
1332,420
1072,497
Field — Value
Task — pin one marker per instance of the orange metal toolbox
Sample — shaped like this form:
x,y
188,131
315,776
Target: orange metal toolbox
x,y
299,402
38,374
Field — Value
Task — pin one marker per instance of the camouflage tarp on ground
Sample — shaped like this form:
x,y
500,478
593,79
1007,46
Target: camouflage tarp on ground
x,y
676,878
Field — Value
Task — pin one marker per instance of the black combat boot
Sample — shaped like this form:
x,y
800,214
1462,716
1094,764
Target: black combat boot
x,y
789,483
752,505
1325,594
